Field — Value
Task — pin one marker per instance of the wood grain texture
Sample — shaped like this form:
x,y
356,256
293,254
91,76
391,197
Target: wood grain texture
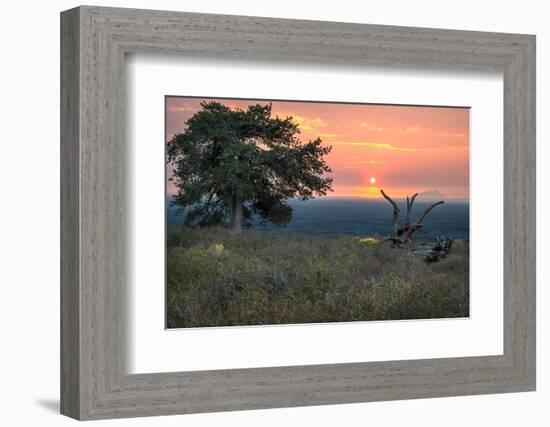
x,y
94,271
70,297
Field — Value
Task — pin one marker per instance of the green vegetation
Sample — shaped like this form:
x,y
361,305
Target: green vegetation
x,y
231,164
218,278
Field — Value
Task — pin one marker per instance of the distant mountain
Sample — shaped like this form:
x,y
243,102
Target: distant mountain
x,y
432,196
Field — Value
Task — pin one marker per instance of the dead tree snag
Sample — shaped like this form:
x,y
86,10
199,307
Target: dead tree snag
x,y
402,233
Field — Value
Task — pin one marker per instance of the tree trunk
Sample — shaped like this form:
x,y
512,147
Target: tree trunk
x,y
236,214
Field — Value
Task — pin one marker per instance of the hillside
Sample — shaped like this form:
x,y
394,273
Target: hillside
x,y
219,279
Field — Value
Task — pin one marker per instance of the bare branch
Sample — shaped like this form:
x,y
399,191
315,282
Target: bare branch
x,y
426,212
408,217
395,211
389,199
409,209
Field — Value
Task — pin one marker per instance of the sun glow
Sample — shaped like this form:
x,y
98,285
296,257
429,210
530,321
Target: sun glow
x,y
369,192
403,149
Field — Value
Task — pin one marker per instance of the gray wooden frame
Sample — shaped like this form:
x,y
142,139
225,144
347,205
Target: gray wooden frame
x,y
94,382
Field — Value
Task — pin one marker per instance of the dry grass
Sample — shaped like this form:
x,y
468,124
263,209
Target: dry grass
x,y
219,279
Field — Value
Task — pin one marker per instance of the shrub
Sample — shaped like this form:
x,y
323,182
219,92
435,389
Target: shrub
x,y
368,241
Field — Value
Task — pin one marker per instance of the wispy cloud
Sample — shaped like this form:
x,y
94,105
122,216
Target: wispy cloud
x,y
450,135
305,123
412,129
327,135
370,126
184,109
380,146
354,163
457,147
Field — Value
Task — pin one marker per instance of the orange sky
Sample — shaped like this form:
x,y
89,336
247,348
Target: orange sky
x,y
406,149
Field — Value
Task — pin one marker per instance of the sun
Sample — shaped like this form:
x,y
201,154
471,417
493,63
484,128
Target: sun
x,y
372,180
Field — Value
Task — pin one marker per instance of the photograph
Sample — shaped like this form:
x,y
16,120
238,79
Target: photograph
x,y
293,212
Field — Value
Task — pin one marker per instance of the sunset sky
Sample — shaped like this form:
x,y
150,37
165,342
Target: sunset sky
x,y
401,149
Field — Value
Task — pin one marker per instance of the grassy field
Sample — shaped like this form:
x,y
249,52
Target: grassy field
x,y
218,279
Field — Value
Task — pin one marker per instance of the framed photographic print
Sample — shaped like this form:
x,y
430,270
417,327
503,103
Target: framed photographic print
x,y
262,213
276,212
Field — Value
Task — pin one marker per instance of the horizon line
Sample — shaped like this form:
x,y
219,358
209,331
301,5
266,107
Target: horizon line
x,y
339,196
